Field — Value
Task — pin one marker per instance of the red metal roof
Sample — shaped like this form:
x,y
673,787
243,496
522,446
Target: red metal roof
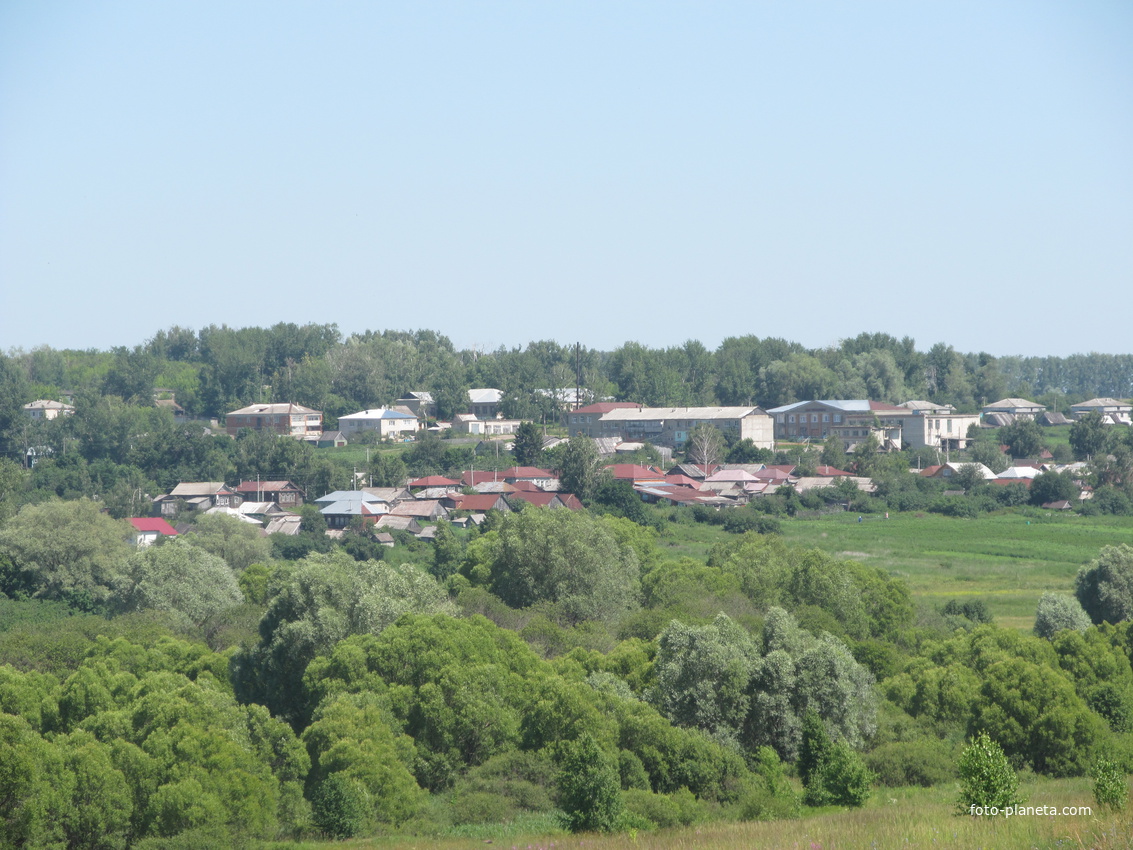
x,y
434,481
634,472
153,524
527,472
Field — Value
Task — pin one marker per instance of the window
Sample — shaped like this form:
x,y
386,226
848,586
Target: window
x,y
791,418
814,418
826,417
837,418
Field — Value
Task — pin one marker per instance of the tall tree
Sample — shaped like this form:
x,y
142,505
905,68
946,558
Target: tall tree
x,y
580,467
528,445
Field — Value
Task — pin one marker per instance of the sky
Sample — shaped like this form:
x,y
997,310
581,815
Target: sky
x,y
503,172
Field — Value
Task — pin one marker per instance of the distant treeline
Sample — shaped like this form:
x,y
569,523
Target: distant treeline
x,y
217,369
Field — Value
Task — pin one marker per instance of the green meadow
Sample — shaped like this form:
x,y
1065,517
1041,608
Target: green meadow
x,y
901,818
1006,559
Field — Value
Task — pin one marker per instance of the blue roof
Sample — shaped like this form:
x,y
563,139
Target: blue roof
x,y
378,413
856,405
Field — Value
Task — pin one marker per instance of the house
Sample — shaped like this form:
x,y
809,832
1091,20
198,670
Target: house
x,y
1008,410
148,530
287,524
340,507
636,474
937,426
328,440
552,501
420,509
584,420
1113,411
166,399
288,419
544,479
479,503
484,402
434,481
283,493
420,404
388,424
197,495
950,470
469,423
670,426
851,420
44,409
388,522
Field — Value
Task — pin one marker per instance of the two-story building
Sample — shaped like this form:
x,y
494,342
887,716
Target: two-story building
x,y
670,426
386,422
851,420
936,426
288,419
584,421
1111,410
44,409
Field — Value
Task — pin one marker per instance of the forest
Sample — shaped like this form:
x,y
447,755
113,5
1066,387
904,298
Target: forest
x,y
546,670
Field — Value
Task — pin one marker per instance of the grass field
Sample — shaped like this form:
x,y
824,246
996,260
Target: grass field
x,y
909,818
1008,560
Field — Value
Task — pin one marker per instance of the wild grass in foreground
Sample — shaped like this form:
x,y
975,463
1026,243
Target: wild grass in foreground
x,y
907,818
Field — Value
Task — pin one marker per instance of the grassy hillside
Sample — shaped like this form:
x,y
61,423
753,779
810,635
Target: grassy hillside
x,y
1008,560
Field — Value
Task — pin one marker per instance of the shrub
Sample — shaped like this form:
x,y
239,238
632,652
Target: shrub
x,y
923,762
340,806
841,779
986,777
1111,787
589,787
1056,612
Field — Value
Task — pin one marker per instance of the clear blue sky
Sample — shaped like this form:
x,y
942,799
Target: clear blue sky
x,y
595,171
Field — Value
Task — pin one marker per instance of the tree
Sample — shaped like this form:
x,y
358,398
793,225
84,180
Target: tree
x,y
1023,438
528,446
705,445
387,469
181,579
1088,435
315,604
989,455
1057,612
239,543
69,551
1105,585
589,788
566,558
833,452
1049,487
986,777
580,467
969,478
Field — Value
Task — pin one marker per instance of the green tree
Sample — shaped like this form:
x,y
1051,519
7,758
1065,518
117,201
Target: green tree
x,y
239,543
1023,438
580,467
1111,785
1088,435
989,455
589,788
69,551
833,452
387,469
1104,586
315,604
528,445
1050,487
178,578
986,777
1057,612
566,558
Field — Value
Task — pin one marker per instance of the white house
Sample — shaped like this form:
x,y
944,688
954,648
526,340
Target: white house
x,y
388,423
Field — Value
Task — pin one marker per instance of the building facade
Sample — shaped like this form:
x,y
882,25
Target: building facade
x,y
670,426
286,419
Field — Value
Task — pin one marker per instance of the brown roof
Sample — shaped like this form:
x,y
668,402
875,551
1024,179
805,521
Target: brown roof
x,y
607,406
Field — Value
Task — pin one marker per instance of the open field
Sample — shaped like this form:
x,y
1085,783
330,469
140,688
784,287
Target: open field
x,y
903,818
1007,559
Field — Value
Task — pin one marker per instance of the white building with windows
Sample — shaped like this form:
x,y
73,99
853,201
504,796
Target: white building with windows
x,y
388,423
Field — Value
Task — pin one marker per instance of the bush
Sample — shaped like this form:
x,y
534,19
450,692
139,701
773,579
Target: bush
x,y
923,762
589,787
841,779
340,806
1111,787
1056,612
986,777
